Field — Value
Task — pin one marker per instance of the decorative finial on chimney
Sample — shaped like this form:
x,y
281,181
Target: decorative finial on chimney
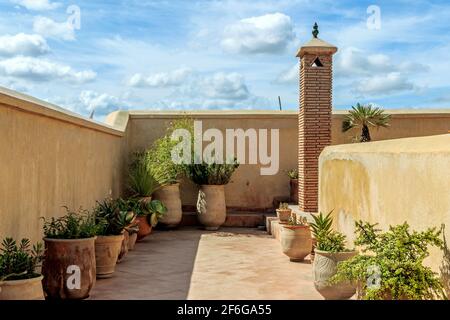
x,y
315,32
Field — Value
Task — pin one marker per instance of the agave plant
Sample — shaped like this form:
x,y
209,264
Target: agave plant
x,y
211,174
114,216
365,116
155,210
142,182
327,239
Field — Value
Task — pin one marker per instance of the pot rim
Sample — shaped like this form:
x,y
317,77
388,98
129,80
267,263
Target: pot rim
x,y
295,227
22,281
288,209
340,252
69,240
110,237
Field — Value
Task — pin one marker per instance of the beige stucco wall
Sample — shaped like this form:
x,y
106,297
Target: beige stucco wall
x,y
388,182
50,158
250,190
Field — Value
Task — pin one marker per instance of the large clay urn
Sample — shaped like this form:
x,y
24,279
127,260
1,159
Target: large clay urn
x,y
296,242
69,268
324,267
28,289
211,207
170,196
107,249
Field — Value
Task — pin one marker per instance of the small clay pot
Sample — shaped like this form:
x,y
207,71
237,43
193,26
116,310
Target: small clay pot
x,y
284,215
107,249
296,242
145,228
27,289
132,238
123,247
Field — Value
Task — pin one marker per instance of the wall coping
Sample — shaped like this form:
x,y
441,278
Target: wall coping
x,y
28,104
427,144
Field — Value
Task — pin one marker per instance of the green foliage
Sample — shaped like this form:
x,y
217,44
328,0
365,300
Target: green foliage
x,y
74,225
283,206
19,261
159,159
113,216
142,183
211,174
327,239
365,116
155,210
294,221
398,254
293,174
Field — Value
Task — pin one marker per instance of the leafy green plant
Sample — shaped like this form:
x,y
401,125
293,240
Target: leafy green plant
x,y
211,174
142,183
365,116
155,210
327,239
283,206
113,216
74,225
294,221
160,159
292,174
398,254
19,261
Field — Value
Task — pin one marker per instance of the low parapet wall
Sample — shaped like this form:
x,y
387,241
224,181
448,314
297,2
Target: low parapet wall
x,y
388,182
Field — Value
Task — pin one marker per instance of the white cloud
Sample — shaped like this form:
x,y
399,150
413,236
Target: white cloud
x,y
37,5
289,76
160,80
101,103
50,28
23,44
226,86
35,69
270,33
385,84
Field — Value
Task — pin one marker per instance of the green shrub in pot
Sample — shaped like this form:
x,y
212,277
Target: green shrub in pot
x,y
329,252
19,275
391,266
112,216
69,266
211,177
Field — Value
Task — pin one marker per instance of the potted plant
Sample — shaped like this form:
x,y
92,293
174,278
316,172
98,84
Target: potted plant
x,y
69,267
296,240
211,177
142,185
148,215
284,212
330,251
132,232
167,173
391,266
19,278
293,183
112,217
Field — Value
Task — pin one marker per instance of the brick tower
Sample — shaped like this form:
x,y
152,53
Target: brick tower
x,y
316,78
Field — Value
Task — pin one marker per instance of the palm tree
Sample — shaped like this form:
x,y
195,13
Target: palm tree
x,y
365,116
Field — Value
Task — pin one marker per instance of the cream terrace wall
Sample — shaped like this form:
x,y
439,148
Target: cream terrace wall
x,y
248,189
51,158
388,182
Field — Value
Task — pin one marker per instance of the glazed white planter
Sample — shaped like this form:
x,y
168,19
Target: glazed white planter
x,y
28,289
324,267
211,207
170,196
296,242
107,249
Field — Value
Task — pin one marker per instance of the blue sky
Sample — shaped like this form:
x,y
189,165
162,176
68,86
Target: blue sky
x,y
184,55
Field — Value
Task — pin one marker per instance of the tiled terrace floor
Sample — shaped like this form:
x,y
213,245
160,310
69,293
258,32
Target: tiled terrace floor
x,y
234,263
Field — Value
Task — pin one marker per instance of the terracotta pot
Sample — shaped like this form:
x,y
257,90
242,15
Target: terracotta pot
x,y
170,196
211,207
107,249
145,228
284,215
296,242
294,190
123,247
28,289
132,238
324,267
69,268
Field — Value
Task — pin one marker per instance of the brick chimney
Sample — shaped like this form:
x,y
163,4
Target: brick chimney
x,y
314,122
